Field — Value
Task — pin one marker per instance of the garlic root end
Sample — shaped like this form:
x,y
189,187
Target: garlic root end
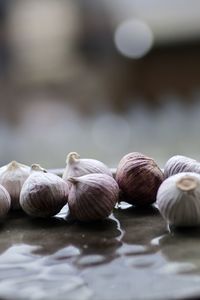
x,y
186,183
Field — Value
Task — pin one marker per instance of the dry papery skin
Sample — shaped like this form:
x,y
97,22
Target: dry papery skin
x,y
179,163
12,177
178,199
5,202
139,178
76,166
92,197
43,194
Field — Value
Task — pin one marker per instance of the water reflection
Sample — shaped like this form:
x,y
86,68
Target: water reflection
x,y
53,234
140,225
181,250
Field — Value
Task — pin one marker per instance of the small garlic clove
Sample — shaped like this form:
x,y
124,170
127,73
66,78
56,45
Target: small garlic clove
x,y
92,196
12,177
139,178
5,202
179,163
76,166
43,194
178,199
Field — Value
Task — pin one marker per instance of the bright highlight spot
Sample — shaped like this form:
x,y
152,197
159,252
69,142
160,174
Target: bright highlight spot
x,y
133,38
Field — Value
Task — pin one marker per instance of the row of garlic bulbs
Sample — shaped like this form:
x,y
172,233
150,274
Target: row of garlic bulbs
x,y
91,191
176,190
87,186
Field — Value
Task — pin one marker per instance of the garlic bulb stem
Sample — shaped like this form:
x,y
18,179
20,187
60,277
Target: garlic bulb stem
x,y
76,166
72,157
38,168
13,165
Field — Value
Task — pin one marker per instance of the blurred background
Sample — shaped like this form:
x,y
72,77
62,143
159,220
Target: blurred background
x,y
102,78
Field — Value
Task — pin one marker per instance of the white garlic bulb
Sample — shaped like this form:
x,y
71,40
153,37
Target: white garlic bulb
x,y
77,166
43,194
178,199
179,163
92,196
12,177
5,202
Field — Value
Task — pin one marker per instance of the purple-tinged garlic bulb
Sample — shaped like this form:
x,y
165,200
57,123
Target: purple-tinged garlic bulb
x,y
76,166
12,177
43,194
92,196
178,199
5,202
179,163
139,178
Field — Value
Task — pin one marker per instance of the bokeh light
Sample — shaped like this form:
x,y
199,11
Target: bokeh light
x,y
133,38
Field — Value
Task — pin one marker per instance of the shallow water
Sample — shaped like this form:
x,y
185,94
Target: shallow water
x,y
131,255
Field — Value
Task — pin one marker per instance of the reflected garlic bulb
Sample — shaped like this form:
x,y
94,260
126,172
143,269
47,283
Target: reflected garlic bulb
x,y
12,177
5,202
77,166
178,199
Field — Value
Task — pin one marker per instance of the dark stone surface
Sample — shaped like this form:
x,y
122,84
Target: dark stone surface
x,y
131,255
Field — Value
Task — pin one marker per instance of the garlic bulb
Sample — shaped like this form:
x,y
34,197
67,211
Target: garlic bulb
x,y
43,194
139,178
178,199
179,163
77,166
12,177
5,202
92,196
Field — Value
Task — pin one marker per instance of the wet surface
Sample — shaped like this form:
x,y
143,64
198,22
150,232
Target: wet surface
x,y
131,255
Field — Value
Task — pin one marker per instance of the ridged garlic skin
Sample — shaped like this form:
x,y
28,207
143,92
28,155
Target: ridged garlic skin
x,y
139,178
92,197
43,194
12,177
5,202
179,206
179,163
76,166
